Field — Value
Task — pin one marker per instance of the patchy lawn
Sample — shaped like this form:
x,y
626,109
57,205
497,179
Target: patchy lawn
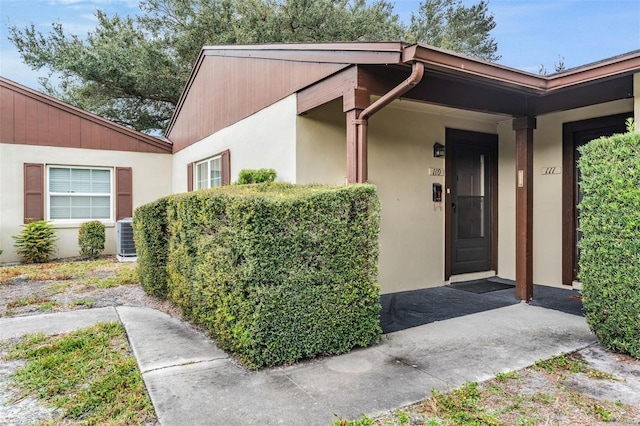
x,y
85,377
68,285
563,390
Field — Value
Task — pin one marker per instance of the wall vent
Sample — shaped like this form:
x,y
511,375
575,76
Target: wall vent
x,y
124,244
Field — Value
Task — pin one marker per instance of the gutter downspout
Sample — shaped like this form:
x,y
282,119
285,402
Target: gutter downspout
x,y
361,123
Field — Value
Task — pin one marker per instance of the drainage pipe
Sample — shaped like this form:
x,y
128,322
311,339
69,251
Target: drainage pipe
x,y
361,122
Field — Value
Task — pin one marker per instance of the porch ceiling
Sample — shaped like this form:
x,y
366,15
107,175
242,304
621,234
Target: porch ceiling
x,y
444,111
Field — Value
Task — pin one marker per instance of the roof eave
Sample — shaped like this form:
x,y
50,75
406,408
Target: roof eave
x,y
34,94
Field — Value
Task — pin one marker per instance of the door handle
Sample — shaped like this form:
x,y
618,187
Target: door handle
x,y
453,206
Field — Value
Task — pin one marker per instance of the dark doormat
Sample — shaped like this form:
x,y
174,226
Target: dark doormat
x,y
480,286
418,307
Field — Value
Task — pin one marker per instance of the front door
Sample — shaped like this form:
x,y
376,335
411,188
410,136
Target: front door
x,y
470,201
575,135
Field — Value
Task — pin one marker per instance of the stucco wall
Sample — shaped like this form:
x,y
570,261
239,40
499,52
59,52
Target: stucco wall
x,y
547,191
151,180
264,140
401,139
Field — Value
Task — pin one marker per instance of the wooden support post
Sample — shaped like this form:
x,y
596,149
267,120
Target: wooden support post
x,y
524,127
352,145
354,102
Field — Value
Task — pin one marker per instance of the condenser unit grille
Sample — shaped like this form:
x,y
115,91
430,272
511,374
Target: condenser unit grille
x,y
125,244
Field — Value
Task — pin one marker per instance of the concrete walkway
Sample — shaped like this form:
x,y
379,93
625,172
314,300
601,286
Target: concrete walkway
x,y
191,381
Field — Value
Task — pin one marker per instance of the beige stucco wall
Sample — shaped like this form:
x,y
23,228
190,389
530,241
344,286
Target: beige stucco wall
x,y
151,180
547,191
266,139
401,139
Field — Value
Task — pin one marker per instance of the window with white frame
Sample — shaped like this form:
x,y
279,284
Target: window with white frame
x,y
209,173
78,193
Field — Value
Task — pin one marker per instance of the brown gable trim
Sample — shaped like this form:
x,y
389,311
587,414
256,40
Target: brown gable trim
x,y
338,53
48,100
185,92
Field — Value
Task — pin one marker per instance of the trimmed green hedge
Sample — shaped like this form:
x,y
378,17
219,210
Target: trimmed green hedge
x,y
151,240
610,246
275,272
247,176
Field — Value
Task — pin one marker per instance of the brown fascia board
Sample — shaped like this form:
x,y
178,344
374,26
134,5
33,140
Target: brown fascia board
x,y
472,68
185,92
339,53
41,97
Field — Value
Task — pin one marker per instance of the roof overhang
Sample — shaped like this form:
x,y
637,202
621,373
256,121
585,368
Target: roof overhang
x,y
516,92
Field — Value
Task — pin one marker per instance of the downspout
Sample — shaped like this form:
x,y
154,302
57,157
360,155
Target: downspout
x,y
361,122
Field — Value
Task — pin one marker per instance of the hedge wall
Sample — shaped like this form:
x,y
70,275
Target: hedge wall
x,y
275,272
151,239
610,246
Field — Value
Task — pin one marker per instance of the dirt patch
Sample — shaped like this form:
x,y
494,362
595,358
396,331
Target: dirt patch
x,y
37,289
588,387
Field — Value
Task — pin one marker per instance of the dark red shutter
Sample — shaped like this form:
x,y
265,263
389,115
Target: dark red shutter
x,y
124,192
33,192
189,177
225,162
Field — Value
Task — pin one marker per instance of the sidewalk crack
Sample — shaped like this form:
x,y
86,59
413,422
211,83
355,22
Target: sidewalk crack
x,y
165,367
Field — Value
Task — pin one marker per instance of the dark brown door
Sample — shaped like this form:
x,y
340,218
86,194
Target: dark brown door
x,y
576,135
471,164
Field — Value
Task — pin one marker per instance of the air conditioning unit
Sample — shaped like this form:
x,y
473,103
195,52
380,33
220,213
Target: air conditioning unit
x,y
124,244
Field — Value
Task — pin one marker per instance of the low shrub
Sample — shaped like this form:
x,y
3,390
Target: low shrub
x,y
91,239
36,242
610,246
275,272
247,176
151,241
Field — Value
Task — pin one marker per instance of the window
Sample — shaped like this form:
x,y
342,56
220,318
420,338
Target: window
x,y
79,193
209,173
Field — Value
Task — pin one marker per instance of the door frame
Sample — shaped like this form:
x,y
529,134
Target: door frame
x,y
569,184
490,142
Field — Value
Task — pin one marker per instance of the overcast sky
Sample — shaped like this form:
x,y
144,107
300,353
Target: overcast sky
x,y
529,32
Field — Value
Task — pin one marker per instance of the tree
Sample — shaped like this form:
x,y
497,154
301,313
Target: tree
x,y
451,25
557,66
132,70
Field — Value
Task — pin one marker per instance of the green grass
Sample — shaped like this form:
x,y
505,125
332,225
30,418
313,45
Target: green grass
x,y
83,302
52,271
88,374
573,364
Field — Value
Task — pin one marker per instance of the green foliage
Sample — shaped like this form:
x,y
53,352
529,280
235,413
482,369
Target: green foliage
x,y
91,239
151,239
462,406
610,246
36,242
88,375
247,176
132,70
451,25
275,272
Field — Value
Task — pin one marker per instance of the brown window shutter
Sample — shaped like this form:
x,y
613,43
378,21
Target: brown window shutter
x,y
225,162
33,192
189,177
124,192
